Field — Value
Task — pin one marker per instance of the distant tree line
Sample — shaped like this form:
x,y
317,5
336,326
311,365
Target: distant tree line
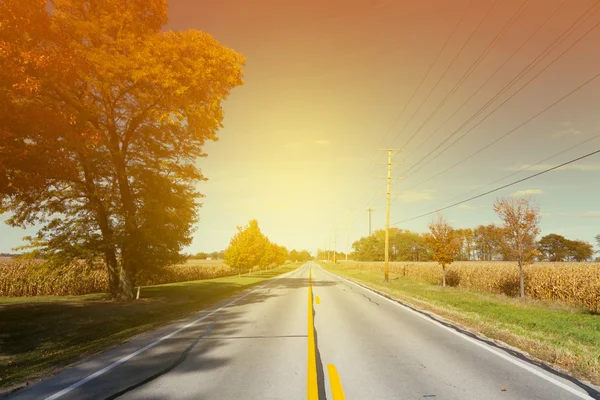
x,y
404,246
328,255
215,255
11,255
299,256
483,243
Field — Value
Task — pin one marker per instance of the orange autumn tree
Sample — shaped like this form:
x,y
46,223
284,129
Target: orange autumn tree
x,y
444,242
102,119
521,218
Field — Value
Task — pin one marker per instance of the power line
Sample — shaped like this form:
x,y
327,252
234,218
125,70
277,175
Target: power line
x,y
500,188
499,106
528,68
528,167
491,76
427,73
473,66
507,133
446,71
460,20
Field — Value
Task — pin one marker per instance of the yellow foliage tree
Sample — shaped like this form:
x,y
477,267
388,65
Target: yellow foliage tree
x,y
247,248
444,243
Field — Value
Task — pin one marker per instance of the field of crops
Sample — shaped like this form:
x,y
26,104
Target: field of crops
x,y
572,283
30,278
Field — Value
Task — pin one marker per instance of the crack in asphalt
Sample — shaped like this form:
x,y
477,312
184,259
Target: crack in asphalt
x,y
171,367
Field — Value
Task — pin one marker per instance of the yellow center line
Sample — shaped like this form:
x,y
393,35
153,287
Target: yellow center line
x,y
336,385
312,392
317,299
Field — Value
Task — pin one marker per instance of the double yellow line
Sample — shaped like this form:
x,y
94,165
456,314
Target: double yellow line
x,y
312,392
313,385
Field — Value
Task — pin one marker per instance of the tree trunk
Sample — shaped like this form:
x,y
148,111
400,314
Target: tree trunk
x,y
126,287
113,271
106,229
522,279
443,275
131,248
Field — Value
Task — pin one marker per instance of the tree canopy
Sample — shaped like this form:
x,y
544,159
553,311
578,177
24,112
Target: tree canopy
x,y
250,248
555,247
102,119
521,218
444,243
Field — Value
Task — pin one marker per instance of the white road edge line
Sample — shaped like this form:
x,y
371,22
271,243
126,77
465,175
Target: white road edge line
x,y
477,343
158,341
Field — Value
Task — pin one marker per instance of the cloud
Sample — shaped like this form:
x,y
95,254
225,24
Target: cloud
x,y
528,192
322,142
414,196
590,214
542,167
567,132
467,207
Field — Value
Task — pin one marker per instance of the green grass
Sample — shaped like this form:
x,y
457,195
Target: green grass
x,y
558,334
39,334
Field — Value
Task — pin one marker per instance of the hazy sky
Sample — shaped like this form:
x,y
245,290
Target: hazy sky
x,y
326,82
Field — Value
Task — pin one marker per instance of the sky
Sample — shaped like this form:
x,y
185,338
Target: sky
x,y
329,82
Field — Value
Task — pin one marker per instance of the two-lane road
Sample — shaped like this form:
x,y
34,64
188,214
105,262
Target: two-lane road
x,y
307,333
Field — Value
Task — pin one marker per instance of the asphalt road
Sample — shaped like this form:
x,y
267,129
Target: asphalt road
x,y
307,335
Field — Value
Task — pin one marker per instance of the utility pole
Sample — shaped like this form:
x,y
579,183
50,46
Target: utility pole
x,y
348,224
370,210
347,233
387,212
334,243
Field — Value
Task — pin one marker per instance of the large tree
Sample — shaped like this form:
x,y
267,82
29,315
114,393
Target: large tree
x,y
248,248
102,119
580,250
554,247
521,218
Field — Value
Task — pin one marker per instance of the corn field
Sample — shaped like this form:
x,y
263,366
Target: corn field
x,y
31,278
572,283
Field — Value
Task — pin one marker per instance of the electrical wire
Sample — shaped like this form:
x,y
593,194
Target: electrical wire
x,y
445,71
489,78
509,132
527,167
460,20
528,68
500,188
514,17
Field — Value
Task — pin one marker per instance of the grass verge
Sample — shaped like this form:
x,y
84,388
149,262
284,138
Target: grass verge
x,y
566,337
41,334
